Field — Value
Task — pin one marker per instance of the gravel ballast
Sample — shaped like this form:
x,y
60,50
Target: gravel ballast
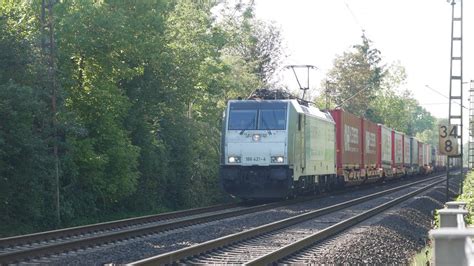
x,y
393,237
131,250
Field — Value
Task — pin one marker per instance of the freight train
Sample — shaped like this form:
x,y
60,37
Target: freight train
x,y
285,147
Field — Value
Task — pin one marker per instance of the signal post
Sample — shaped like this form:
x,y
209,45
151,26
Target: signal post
x,y
449,146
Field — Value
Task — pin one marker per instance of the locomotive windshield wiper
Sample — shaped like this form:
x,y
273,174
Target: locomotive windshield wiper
x,y
246,127
265,124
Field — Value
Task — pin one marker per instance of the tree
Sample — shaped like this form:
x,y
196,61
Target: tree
x,y
26,185
143,87
356,78
94,47
359,83
257,42
431,135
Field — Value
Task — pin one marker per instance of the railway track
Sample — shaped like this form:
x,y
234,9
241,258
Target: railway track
x,y
18,248
272,242
45,244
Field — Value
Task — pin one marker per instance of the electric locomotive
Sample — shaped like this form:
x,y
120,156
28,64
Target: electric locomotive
x,y
276,148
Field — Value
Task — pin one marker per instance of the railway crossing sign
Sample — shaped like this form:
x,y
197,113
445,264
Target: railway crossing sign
x,y
448,140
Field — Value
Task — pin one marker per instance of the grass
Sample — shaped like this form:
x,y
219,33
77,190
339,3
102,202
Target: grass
x,y
468,196
424,257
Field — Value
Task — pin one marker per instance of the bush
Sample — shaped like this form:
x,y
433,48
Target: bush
x,y
468,195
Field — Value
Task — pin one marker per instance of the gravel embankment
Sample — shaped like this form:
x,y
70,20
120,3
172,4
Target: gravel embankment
x,y
245,251
131,250
391,238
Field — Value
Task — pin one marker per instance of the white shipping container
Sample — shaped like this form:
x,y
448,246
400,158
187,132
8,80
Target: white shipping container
x,y
386,137
414,151
406,150
426,154
440,160
398,146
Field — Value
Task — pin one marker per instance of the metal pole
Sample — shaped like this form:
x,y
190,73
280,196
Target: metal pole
x,y
327,95
49,54
456,84
462,134
450,93
447,178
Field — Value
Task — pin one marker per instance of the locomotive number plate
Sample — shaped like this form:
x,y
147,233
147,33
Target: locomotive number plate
x,y
255,159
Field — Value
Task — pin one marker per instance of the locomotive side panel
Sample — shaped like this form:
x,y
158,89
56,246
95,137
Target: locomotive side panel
x,y
319,148
295,140
313,142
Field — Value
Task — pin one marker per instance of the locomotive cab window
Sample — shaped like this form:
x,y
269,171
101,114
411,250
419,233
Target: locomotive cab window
x,y
257,115
242,119
272,119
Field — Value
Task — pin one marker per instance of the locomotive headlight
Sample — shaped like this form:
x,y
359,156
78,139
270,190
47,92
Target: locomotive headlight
x,y
278,159
256,137
234,159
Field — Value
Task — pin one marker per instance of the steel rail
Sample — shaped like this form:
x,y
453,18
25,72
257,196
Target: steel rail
x,y
128,233
334,229
77,238
105,237
174,256
94,228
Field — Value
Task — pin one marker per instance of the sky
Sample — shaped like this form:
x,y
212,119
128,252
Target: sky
x,y
416,33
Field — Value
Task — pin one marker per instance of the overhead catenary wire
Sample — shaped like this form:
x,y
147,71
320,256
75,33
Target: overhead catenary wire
x,y
427,86
354,16
355,94
432,103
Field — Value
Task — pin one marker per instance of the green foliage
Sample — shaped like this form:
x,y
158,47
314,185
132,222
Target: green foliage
x,y
25,179
257,42
193,157
26,165
402,112
356,78
141,89
468,195
360,84
423,257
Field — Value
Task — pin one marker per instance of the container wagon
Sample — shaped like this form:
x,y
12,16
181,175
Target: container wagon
x,y
384,141
370,152
414,156
397,153
421,157
439,160
406,154
427,161
349,146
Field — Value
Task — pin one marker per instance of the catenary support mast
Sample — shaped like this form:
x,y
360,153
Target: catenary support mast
x,y
48,47
470,155
455,81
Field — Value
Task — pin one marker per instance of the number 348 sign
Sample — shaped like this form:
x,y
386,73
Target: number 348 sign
x,y
448,140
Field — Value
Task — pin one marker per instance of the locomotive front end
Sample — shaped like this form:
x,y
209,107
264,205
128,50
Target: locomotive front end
x,y
254,161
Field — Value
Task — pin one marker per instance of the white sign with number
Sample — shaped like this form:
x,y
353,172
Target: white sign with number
x,y
448,140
